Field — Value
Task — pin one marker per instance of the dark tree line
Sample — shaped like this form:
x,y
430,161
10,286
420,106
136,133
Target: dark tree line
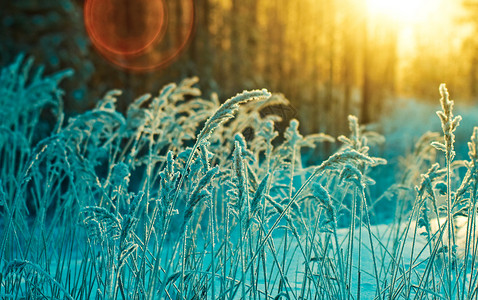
x,y
328,57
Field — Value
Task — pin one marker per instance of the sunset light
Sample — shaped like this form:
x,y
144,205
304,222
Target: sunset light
x,y
405,12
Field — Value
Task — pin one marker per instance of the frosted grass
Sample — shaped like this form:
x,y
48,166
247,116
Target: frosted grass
x,y
172,201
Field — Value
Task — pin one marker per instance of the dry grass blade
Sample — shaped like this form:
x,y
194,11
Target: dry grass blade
x,y
226,111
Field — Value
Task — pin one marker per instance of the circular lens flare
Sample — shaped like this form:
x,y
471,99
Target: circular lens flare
x,y
139,35
113,28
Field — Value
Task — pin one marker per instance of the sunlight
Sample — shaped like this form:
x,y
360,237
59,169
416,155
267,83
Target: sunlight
x,y
401,11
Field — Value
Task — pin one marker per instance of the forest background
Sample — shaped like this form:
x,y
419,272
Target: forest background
x,y
330,58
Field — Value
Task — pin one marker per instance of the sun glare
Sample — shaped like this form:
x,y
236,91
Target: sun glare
x,y
405,12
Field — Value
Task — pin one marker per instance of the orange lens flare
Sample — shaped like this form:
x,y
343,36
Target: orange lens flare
x,y
139,35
